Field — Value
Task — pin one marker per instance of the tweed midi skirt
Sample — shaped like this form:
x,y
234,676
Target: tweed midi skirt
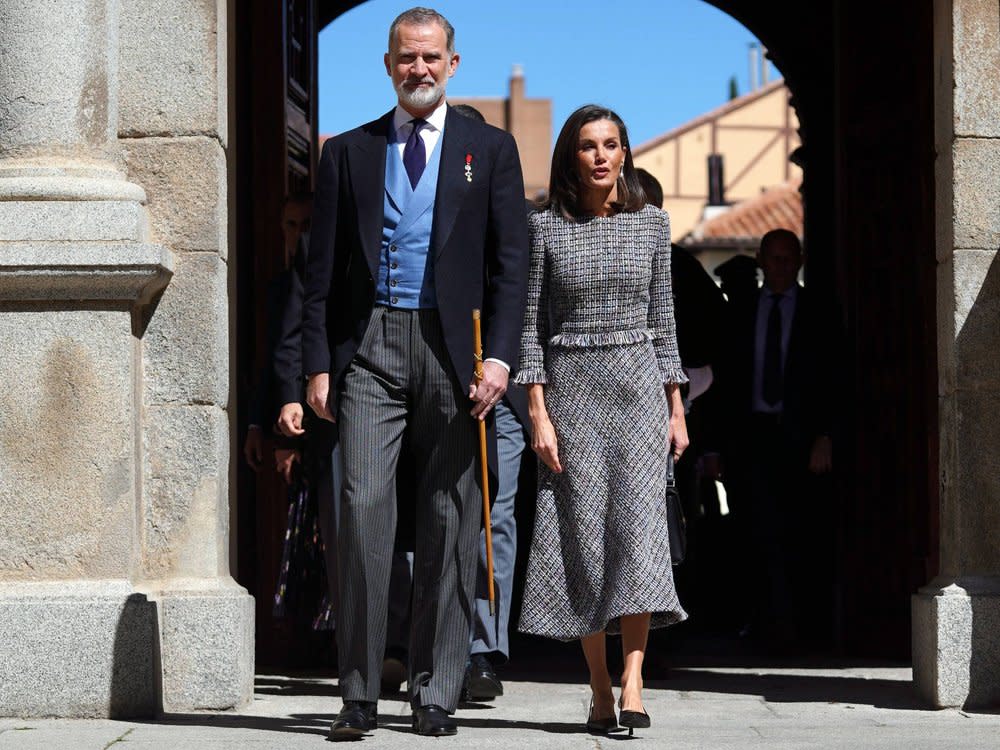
x,y
600,547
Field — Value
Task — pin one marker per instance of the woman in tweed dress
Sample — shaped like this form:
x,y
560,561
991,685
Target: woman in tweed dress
x,y
599,359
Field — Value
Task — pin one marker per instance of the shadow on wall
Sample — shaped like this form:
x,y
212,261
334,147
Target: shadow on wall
x,y
976,474
135,675
984,667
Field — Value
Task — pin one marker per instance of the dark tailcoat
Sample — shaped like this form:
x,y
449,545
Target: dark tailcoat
x,y
479,233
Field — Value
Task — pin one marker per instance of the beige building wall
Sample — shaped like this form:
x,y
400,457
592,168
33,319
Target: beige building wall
x,y
529,121
754,134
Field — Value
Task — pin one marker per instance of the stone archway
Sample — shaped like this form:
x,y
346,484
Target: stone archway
x,y
115,161
851,128
876,200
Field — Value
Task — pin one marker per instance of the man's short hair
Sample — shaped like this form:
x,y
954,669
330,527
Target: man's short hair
x,y
467,110
651,187
780,235
422,17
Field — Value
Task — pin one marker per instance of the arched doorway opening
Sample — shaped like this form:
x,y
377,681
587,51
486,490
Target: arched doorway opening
x,y
867,130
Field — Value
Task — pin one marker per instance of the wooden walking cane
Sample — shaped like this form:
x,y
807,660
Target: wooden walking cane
x,y
484,472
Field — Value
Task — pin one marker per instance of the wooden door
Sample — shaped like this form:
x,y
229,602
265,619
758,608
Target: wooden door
x,y
276,137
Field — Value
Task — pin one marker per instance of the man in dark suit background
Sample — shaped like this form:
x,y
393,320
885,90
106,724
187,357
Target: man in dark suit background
x,y
777,376
490,641
419,219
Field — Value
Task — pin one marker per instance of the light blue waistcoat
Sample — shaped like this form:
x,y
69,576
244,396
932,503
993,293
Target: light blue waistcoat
x,y
406,270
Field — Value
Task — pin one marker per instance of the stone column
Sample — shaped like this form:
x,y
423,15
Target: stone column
x,y
76,266
956,618
92,338
172,131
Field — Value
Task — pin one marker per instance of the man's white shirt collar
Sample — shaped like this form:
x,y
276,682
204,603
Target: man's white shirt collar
x,y
435,119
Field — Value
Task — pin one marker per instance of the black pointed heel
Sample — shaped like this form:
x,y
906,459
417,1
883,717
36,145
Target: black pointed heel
x,y
600,726
633,719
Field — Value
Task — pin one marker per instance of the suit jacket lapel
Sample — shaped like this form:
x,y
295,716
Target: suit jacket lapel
x,y
367,170
397,183
452,185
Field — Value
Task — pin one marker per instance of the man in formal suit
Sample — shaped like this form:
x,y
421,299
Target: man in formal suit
x,y
419,219
778,379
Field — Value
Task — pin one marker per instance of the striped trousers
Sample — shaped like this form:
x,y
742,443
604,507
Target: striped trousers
x,y
401,381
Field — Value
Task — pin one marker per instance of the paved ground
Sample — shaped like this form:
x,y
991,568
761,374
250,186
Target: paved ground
x,y
691,707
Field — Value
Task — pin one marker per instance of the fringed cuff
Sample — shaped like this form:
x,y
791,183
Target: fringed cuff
x,y
530,377
601,338
673,375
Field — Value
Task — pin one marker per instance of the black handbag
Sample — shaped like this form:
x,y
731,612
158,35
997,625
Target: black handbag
x,y
676,523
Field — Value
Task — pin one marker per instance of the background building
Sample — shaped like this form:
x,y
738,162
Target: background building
x,y
753,135
738,229
529,121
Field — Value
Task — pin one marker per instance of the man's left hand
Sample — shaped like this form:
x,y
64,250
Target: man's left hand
x,y
487,392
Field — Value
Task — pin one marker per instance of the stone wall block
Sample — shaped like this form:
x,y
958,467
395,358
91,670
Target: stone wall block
x,y
977,194
977,318
185,492
186,343
67,473
208,649
56,78
185,181
977,68
942,646
172,61
984,666
85,221
978,482
77,649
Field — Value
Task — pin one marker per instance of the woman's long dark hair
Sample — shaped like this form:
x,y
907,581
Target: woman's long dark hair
x,y
564,179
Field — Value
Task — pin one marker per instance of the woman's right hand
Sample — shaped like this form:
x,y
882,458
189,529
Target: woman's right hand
x,y
545,444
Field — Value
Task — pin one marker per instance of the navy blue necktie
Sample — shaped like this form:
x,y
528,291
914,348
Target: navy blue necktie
x,y
773,375
414,153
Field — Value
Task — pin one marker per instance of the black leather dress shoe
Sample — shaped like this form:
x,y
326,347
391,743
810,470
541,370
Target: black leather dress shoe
x,y
355,719
433,721
481,682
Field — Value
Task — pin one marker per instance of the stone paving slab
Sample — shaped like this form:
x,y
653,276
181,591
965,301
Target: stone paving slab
x,y
692,708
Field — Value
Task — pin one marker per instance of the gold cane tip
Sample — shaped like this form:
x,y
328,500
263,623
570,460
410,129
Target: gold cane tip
x,y
475,314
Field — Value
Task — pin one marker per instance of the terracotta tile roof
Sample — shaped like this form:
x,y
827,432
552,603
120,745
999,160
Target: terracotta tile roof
x,y
779,207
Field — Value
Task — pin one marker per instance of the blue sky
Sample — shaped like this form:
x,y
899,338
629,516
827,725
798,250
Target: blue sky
x,y
658,63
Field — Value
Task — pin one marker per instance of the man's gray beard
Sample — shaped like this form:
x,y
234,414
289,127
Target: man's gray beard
x,y
420,97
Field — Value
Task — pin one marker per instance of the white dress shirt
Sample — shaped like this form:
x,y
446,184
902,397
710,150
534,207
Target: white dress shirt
x,y
429,133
